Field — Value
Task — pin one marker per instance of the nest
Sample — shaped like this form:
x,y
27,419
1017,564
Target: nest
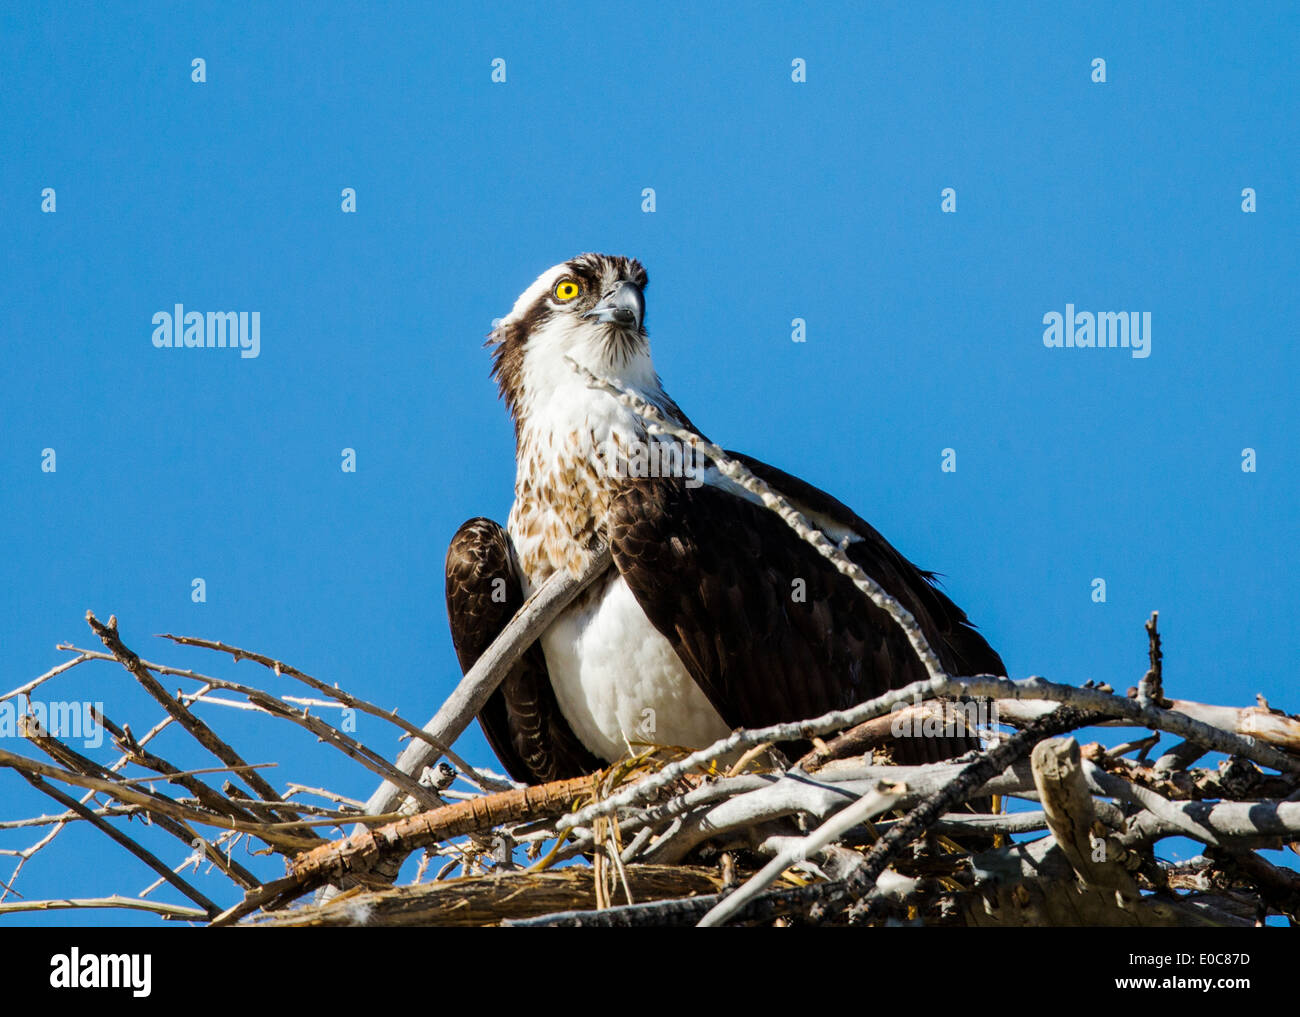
x,y
736,833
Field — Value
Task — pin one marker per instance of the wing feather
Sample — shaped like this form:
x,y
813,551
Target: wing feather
x,y
768,628
522,719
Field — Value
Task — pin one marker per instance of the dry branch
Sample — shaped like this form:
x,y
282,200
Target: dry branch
x,y
1067,806
532,619
650,827
346,699
114,834
92,903
492,900
203,734
364,848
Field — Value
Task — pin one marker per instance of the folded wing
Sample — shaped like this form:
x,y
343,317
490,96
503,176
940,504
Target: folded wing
x,y
768,628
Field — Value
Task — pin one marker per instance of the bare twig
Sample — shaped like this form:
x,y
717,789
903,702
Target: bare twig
x,y
203,734
86,903
469,697
879,799
1151,688
28,687
347,700
154,804
114,834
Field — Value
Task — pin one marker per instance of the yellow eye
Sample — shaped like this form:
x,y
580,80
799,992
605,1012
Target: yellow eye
x,y
566,289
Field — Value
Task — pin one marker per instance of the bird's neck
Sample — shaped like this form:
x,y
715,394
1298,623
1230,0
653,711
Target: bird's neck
x,y
566,477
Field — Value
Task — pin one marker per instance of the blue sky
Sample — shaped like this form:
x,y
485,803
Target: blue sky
x,y
774,200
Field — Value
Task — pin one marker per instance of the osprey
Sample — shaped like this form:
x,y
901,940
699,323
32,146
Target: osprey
x,y
715,614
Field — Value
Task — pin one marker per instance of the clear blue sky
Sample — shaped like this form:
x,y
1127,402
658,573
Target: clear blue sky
x,y
775,200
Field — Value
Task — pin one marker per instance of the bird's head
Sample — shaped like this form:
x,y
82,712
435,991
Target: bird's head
x,y
590,309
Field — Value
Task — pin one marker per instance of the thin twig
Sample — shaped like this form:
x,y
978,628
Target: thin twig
x,y
113,833
469,697
85,903
345,698
30,686
879,799
1092,700
203,734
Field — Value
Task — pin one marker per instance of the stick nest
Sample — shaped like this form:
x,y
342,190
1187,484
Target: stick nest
x,y
744,835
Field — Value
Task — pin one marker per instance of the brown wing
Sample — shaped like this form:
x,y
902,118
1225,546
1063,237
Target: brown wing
x,y
959,644
522,720
767,627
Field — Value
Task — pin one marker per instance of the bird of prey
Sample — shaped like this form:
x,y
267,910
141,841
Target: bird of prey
x,y
715,614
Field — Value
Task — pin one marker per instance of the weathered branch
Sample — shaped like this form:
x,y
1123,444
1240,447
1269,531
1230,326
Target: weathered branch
x,y
160,908
1092,700
879,799
469,697
112,832
346,699
362,849
200,731
1067,804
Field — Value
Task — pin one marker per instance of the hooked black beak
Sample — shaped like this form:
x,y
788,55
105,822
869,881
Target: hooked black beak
x,y
624,307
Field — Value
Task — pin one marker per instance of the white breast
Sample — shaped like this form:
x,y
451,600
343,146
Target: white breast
x,y
618,680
